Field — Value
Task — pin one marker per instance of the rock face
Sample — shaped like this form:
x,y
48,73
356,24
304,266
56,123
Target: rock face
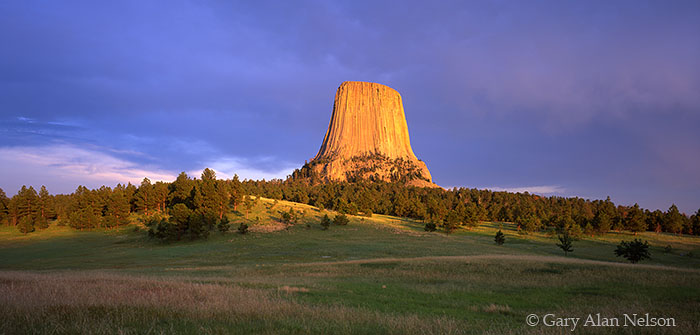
x,y
367,138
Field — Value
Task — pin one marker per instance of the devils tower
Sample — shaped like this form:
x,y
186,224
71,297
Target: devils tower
x,y
367,138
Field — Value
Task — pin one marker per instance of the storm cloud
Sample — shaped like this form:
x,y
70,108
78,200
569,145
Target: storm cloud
x,y
585,99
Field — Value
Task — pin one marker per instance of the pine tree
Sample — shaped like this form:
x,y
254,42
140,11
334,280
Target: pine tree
x,y
695,221
532,223
13,211
618,219
565,243
180,213
635,220
26,225
341,220
117,208
160,196
85,217
100,199
46,208
634,251
401,205
144,197
450,222
470,216
208,175
28,205
85,211
224,225
213,196
655,221
248,203
4,207
688,225
567,224
76,204
24,209
181,190
130,194
673,220
500,237
436,210
285,217
602,222
325,222
223,190
236,192
91,217
243,228
198,226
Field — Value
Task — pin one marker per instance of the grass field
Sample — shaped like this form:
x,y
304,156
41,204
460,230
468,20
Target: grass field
x,y
379,275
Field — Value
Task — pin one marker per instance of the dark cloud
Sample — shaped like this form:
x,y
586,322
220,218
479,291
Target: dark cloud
x,y
589,98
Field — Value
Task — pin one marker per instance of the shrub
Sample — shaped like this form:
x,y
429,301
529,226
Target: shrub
x,y
180,213
182,222
532,223
25,225
634,251
199,225
164,230
289,218
430,227
500,237
668,249
341,220
285,217
209,219
450,222
42,223
243,228
325,222
223,225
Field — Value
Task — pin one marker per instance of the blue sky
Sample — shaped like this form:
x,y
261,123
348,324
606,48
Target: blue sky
x,y
588,98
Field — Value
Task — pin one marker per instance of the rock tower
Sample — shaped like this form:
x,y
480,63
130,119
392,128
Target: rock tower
x,y
367,138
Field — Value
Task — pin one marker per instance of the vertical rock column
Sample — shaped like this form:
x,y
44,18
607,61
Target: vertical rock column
x,y
368,120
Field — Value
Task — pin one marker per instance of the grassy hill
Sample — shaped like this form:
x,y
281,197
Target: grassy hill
x,y
380,275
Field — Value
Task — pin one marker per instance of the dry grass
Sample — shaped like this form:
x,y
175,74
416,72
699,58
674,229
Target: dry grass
x,y
33,291
106,303
494,308
267,227
102,303
291,289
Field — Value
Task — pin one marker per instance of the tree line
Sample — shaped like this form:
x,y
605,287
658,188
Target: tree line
x,y
108,207
191,207
467,207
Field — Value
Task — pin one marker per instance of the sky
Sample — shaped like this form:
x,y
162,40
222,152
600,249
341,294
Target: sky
x,y
567,98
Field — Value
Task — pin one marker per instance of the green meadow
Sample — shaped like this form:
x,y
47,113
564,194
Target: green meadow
x,y
378,275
